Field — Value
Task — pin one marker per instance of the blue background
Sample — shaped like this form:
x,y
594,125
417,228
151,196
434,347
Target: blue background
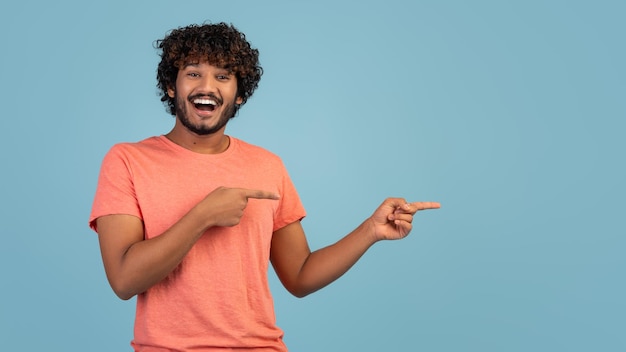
x,y
510,113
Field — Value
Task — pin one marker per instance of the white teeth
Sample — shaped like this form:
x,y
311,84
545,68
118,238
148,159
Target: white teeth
x,y
204,101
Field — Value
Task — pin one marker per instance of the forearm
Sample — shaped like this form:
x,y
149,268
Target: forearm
x,y
133,264
329,263
303,272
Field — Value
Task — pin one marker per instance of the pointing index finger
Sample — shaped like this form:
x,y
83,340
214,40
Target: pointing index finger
x,y
425,205
260,194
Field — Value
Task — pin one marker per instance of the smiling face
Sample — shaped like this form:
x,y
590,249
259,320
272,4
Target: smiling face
x,y
205,97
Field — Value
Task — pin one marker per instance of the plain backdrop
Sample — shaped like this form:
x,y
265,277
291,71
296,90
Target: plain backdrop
x,y
509,113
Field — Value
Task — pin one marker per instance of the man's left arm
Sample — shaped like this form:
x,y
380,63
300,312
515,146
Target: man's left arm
x,y
303,272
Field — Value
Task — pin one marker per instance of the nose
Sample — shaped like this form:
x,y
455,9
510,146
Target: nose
x,y
208,84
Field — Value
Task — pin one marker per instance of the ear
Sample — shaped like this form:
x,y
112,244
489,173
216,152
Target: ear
x,y
171,93
238,101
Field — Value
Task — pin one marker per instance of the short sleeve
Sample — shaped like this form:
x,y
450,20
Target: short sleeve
x,y
290,208
115,193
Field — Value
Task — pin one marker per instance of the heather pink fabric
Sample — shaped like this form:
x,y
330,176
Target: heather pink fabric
x,y
218,298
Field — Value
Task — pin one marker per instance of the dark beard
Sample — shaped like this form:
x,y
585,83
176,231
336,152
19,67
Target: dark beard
x,y
181,114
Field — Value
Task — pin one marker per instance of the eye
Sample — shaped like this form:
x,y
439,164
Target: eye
x,y
223,77
193,74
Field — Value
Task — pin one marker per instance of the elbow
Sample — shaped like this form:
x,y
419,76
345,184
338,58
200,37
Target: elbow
x,y
121,290
303,285
125,296
302,295
299,294
300,291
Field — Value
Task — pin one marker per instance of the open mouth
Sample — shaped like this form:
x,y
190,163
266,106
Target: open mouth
x,y
204,104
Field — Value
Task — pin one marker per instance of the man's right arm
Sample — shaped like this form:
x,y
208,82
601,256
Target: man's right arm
x,y
134,264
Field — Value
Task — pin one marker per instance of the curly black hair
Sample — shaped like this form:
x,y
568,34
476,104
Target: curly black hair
x,y
220,45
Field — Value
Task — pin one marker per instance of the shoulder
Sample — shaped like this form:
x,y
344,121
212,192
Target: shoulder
x,y
125,154
148,145
255,151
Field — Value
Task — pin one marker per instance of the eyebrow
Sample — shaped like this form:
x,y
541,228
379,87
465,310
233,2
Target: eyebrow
x,y
196,65
191,64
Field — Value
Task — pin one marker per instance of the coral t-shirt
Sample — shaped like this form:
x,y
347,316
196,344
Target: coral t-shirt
x,y
218,298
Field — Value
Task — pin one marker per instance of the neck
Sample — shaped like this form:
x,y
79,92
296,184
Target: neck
x,y
214,143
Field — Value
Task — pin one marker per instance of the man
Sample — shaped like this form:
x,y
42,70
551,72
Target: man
x,y
189,221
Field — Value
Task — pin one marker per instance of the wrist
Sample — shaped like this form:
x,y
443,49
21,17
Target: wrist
x,y
369,229
197,216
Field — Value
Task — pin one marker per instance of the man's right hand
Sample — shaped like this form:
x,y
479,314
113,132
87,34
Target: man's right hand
x,y
225,206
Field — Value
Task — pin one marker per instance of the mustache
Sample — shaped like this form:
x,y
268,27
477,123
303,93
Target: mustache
x,y
209,96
